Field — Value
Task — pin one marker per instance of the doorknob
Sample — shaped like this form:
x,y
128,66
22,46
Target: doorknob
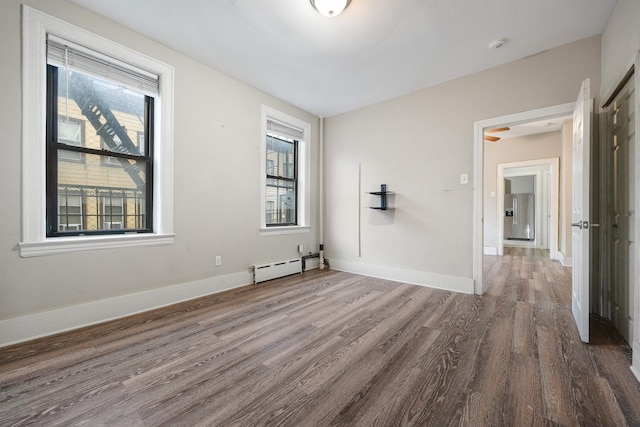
x,y
583,225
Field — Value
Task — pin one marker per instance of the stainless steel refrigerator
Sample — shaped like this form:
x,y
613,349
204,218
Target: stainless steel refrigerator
x,y
519,217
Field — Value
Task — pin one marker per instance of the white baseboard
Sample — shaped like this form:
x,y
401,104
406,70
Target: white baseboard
x,y
564,260
490,250
25,328
635,366
519,244
414,277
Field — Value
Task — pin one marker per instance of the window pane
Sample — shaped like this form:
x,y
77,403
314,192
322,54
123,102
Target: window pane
x,y
114,115
280,206
111,197
280,158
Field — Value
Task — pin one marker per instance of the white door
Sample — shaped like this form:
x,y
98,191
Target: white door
x,y
580,211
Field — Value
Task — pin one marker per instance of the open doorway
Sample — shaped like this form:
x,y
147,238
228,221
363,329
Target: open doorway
x,y
484,197
539,178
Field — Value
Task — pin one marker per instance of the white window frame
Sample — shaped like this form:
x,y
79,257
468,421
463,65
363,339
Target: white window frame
x,y
34,242
304,173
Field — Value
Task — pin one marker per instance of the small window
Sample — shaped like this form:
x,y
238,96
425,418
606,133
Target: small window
x,y
281,191
113,212
70,133
69,211
286,172
109,160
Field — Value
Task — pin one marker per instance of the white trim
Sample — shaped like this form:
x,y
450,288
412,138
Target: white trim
x,y
566,261
36,25
490,250
478,165
86,243
413,277
24,328
518,244
304,172
533,167
271,231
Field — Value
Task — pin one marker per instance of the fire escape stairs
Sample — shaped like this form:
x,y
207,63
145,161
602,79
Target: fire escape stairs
x,y
107,126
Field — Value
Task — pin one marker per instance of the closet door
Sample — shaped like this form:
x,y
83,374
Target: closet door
x,y
620,140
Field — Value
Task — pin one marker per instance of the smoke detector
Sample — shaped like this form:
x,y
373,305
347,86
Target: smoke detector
x,y
497,44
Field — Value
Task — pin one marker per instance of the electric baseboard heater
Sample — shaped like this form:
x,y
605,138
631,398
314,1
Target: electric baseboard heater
x,y
276,269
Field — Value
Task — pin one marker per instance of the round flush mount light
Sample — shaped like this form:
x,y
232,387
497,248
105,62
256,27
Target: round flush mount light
x,y
330,8
497,44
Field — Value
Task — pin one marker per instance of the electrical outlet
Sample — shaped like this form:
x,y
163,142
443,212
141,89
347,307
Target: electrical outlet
x,y
218,260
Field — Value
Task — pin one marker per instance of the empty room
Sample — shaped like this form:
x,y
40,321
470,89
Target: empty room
x,y
319,212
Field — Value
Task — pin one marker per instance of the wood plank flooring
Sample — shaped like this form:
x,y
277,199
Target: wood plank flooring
x,y
327,348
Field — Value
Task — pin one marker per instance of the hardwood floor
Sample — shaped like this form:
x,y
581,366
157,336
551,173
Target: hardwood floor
x,y
331,348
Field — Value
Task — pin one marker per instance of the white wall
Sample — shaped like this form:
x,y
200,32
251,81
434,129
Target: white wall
x,y
217,192
418,145
620,47
532,147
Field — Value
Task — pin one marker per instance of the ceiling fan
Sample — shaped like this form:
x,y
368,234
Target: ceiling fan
x,y
492,138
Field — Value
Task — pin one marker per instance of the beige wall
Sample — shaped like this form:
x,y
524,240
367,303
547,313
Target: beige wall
x,y
541,146
216,184
418,145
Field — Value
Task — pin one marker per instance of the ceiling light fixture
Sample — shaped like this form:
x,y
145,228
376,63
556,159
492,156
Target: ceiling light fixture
x,y
330,8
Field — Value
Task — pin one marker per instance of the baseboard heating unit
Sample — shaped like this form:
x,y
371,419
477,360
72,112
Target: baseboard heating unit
x,y
273,270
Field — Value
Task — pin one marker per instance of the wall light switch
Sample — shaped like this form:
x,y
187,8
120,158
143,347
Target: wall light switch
x,y
218,260
464,178
493,194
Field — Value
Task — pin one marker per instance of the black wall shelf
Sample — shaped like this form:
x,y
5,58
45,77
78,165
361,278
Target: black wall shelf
x,y
383,193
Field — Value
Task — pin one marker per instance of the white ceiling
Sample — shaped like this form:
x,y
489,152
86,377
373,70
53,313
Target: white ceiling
x,y
374,50
532,128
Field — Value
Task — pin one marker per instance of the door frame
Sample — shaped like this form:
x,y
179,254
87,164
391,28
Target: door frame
x,y
478,168
635,346
553,165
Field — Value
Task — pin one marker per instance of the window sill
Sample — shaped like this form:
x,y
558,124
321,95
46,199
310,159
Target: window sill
x,y
271,231
60,245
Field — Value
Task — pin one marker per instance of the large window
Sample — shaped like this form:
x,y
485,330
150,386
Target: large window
x,y
101,163
115,105
285,177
